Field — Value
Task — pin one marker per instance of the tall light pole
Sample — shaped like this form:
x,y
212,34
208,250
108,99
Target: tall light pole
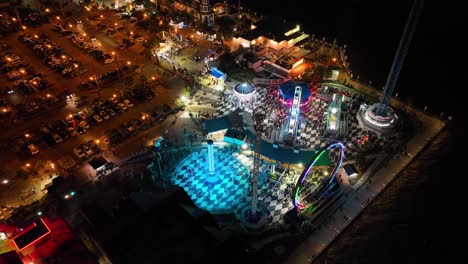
x,y
116,63
94,78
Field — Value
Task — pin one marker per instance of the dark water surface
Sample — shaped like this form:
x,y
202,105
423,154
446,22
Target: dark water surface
x,y
413,220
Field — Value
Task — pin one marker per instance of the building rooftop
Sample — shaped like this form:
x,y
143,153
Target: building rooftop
x,y
97,162
32,234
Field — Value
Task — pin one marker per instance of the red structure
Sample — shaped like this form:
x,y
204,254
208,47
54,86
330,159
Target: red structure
x,y
47,239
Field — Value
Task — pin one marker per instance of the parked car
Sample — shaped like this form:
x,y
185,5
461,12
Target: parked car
x,y
84,125
72,132
128,103
57,138
97,118
33,149
87,150
79,153
122,106
104,115
114,100
110,111
80,130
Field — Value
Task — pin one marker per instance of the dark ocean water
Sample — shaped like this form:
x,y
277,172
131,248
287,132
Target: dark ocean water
x,y
413,220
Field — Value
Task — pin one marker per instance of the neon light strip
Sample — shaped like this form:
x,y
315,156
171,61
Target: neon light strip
x,y
311,163
37,239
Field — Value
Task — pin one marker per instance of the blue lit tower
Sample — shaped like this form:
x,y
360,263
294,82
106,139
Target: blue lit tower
x,y
380,117
211,157
400,55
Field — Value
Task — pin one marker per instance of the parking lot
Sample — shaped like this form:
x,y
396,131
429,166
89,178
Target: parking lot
x,y
85,121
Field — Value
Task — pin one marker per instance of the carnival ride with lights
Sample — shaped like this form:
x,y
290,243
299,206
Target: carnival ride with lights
x,y
333,125
310,201
294,115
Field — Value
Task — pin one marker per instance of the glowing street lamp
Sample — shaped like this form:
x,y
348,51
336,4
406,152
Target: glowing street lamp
x,y
28,165
47,10
57,17
129,62
5,181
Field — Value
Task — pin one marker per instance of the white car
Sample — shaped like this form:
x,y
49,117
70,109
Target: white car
x,y
84,125
57,138
97,118
79,153
128,103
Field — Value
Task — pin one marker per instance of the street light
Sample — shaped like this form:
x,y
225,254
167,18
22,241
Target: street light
x,y
5,181
28,165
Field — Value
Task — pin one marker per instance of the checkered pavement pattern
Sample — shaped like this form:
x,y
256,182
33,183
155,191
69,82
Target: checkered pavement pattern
x,y
276,195
227,192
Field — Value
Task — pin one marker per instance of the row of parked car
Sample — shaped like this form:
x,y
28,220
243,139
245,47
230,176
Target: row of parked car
x,y
103,78
26,80
52,55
